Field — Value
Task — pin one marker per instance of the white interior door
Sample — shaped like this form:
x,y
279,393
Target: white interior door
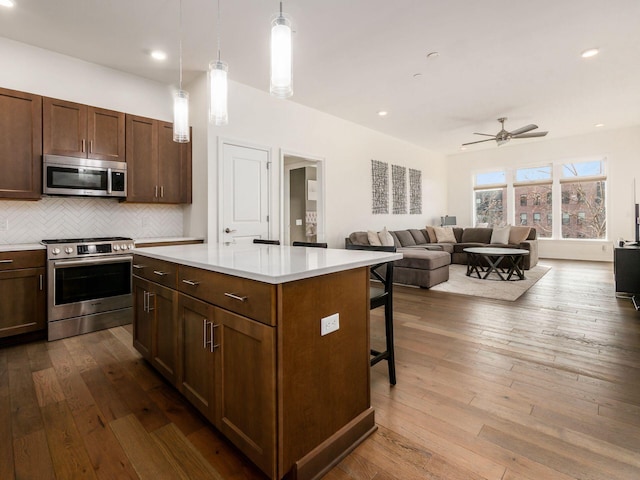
x,y
244,193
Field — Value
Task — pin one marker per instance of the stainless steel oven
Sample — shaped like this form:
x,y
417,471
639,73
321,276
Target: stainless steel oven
x,y
89,285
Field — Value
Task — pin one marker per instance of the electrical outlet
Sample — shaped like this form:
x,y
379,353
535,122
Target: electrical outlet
x,y
329,324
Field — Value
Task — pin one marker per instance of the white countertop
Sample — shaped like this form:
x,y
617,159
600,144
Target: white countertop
x,y
268,263
167,239
21,246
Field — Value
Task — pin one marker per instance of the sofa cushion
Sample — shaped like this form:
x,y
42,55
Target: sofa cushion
x,y
459,247
500,235
373,238
385,238
519,234
424,259
431,234
476,235
359,238
418,236
444,234
405,238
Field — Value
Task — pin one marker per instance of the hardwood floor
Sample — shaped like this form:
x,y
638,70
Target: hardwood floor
x,y
543,388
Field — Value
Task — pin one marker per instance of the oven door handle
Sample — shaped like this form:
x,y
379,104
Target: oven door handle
x,y
92,261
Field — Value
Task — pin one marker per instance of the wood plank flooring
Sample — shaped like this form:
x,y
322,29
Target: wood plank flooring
x,y
543,388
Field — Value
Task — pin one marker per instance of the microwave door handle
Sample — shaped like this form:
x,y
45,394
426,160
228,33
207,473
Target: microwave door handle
x,y
109,182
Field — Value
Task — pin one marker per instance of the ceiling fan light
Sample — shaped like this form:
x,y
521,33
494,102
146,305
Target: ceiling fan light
x,y
281,57
218,92
181,116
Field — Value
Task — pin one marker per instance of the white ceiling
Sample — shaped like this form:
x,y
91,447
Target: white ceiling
x,y
352,58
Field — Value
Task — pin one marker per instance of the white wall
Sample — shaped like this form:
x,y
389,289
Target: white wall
x,y
621,148
257,118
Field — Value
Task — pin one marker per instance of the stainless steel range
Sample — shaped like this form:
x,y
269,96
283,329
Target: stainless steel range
x,y
89,285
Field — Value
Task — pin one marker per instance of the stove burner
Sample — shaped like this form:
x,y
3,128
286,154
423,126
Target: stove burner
x,y
83,240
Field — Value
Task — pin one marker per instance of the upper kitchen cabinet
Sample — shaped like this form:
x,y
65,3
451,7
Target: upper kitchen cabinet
x,y
158,169
20,145
77,130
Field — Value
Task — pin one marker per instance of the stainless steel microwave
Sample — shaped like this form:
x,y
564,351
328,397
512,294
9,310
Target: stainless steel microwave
x,y
83,177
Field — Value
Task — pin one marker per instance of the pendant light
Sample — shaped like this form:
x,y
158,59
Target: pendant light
x,y
218,88
281,65
181,103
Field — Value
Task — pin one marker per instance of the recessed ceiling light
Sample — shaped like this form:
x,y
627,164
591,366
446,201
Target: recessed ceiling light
x,y
599,125
383,113
592,52
433,55
7,3
417,75
463,148
158,55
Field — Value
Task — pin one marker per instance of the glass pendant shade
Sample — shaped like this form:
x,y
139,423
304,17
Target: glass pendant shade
x,y
281,65
181,116
218,92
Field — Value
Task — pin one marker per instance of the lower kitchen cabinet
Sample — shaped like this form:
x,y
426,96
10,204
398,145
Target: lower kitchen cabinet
x,y
155,331
22,292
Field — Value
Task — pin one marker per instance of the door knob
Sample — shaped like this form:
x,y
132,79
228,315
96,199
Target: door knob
x,y
228,230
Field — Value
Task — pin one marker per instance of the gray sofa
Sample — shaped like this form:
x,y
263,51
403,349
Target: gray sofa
x,y
426,263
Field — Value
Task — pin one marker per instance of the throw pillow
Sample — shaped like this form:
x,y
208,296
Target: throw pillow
x,y
373,238
432,234
482,225
444,235
500,235
385,238
517,235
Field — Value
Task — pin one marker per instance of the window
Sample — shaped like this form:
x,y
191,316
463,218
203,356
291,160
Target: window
x,y
549,219
531,186
584,185
490,198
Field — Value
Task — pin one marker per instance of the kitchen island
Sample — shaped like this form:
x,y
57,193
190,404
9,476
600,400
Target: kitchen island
x,y
237,330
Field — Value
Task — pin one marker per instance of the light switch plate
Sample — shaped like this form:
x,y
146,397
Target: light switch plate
x,y
298,221
329,324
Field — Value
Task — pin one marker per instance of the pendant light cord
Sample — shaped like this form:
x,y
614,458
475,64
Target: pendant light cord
x,y
218,30
180,35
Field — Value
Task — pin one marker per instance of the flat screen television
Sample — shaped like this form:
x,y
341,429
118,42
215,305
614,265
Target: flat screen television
x,y
448,221
637,224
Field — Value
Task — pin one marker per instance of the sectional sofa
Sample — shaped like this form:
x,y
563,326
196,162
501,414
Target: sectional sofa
x,y
426,260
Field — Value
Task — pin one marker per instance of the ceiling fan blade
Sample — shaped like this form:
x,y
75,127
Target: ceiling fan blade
x,y
530,135
485,134
526,128
479,141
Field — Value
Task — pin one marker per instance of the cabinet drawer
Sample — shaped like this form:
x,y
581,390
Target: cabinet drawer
x,y
22,259
246,297
158,271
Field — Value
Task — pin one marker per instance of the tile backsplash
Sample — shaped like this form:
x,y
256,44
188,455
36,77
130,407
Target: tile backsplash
x,y
72,217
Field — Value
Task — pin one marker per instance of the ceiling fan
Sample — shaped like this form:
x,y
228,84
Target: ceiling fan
x,y
503,136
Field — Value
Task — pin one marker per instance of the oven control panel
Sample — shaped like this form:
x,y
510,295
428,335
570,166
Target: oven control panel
x,y
89,249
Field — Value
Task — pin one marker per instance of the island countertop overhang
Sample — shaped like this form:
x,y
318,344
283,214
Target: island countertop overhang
x,y
267,263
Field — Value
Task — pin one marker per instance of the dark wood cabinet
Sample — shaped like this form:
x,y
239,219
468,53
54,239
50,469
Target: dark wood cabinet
x,y
78,130
197,376
158,169
155,331
22,292
20,145
626,266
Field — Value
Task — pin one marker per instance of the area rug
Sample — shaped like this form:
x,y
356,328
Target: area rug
x,y
461,284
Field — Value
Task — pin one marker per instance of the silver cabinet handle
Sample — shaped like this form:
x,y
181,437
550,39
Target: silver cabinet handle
x,y
90,146
162,274
149,295
145,301
211,338
156,191
161,191
236,297
191,282
138,267
83,144
6,261
204,333
41,281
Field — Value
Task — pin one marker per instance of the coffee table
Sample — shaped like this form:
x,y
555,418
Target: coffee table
x,y
493,256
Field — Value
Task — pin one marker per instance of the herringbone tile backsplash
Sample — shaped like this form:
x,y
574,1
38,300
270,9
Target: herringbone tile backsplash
x,y
67,217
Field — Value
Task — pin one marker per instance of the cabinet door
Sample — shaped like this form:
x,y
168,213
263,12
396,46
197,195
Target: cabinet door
x,y
174,167
162,304
20,145
64,128
105,133
142,159
196,380
22,301
245,387
142,320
